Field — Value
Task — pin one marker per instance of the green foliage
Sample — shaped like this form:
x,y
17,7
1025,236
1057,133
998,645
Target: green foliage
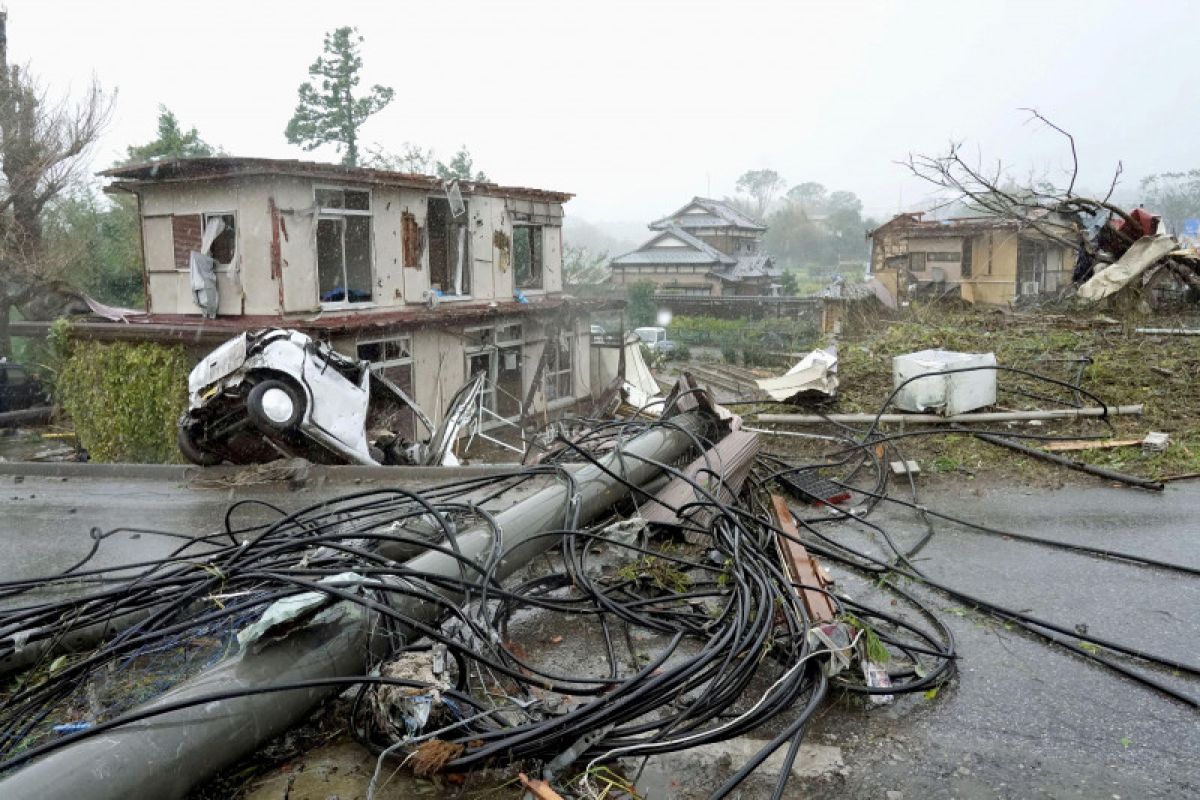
x,y
329,113
639,304
172,142
681,353
125,399
757,336
461,167
761,185
817,229
1174,195
99,245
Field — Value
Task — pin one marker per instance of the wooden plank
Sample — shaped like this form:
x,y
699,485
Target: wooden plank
x,y
1089,444
801,567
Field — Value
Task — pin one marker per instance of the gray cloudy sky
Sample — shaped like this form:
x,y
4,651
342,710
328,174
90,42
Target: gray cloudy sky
x,y
636,106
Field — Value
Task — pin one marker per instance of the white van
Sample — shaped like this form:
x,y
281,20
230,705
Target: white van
x,y
655,339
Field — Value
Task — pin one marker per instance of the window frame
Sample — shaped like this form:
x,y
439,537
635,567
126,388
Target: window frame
x,y
557,372
331,213
468,247
537,252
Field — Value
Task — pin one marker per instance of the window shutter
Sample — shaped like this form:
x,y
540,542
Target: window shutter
x,y
185,230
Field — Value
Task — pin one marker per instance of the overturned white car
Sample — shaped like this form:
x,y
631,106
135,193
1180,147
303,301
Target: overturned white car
x,y
277,392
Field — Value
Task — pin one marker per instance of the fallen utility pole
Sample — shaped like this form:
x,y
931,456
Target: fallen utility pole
x,y
167,755
1100,472
937,419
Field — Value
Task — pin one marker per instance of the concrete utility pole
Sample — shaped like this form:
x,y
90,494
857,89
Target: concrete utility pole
x,y
166,756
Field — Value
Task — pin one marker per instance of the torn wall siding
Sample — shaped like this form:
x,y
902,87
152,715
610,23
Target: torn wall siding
x,y
251,283
988,260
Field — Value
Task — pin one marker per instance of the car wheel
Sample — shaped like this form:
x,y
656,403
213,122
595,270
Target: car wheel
x,y
275,406
192,451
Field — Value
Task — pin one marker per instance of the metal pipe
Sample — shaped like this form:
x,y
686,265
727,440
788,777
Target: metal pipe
x,y
937,419
1054,458
167,755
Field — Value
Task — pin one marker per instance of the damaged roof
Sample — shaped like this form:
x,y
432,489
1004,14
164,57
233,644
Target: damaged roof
x,y
716,214
179,170
914,224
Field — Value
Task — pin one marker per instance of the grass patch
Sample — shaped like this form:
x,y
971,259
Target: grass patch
x,y
1124,368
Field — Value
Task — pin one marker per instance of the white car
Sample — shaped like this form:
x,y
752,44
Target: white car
x,y
277,392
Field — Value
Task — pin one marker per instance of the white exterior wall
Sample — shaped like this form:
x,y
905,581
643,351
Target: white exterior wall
x,y
247,286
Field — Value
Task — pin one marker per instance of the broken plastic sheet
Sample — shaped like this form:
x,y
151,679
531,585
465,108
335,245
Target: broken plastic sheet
x,y
1141,255
283,612
815,373
641,389
204,269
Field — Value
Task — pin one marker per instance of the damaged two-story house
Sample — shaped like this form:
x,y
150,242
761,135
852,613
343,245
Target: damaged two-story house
x,y
990,260
431,283
706,249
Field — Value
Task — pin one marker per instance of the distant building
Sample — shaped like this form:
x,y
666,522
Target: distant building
x,y
706,249
987,259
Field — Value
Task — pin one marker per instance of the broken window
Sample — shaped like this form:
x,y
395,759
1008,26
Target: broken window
x,y
344,245
224,247
557,379
449,249
916,262
413,241
392,359
966,258
527,256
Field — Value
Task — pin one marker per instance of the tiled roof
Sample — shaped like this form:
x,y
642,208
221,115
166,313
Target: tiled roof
x,y
718,215
696,252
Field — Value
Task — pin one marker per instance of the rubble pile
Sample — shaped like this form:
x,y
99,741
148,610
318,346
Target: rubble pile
x,y
704,603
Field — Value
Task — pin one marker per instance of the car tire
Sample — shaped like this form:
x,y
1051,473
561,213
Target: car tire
x,y
192,451
275,406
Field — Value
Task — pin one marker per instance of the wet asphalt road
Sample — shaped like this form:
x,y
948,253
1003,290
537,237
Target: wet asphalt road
x,y
1021,720
1024,719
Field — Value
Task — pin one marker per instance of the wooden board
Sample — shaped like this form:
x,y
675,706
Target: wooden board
x,y
801,567
1089,444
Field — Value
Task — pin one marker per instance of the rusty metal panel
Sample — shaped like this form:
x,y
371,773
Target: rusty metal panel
x,y
801,567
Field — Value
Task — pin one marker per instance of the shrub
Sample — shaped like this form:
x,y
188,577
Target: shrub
x,y
125,399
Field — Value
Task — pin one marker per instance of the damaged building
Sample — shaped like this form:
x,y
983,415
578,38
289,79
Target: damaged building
x,y
988,260
432,283
705,249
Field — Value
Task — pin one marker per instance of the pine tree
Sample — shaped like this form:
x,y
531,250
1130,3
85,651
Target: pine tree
x,y
329,113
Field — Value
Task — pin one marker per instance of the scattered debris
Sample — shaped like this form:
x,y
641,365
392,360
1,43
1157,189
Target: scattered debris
x,y
1156,442
814,375
907,467
953,383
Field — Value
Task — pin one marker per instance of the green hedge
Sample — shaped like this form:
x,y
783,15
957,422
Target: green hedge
x,y
769,334
125,399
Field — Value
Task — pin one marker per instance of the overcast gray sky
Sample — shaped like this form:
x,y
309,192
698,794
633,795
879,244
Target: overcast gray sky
x,y
636,106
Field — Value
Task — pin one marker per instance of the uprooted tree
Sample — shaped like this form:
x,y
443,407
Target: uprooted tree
x,y
1042,205
43,143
